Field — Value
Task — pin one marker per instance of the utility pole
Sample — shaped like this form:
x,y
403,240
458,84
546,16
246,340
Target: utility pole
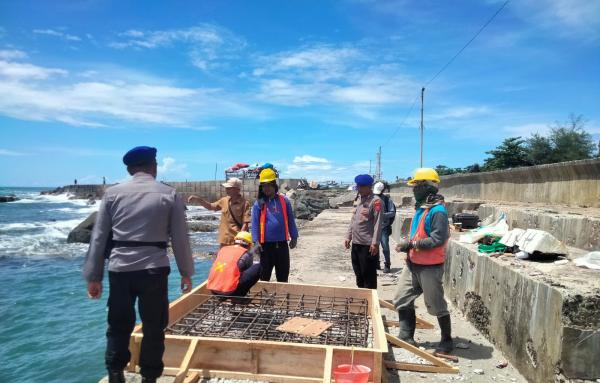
x,y
216,171
422,95
370,167
378,165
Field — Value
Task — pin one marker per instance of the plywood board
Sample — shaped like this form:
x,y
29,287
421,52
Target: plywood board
x,y
305,326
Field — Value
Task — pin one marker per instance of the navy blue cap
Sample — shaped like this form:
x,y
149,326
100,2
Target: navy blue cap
x,y
364,180
140,155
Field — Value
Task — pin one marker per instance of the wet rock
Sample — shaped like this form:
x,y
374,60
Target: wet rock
x,y
8,198
83,232
201,226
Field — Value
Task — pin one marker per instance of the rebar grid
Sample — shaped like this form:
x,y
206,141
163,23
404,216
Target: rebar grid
x,y
258,316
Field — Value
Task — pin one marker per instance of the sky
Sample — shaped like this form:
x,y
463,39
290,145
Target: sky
x,y
314,87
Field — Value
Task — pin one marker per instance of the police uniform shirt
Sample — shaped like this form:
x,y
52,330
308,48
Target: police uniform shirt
x,y
142,210
366,224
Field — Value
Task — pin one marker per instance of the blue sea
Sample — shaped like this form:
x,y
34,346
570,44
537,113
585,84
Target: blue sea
x,y
49,330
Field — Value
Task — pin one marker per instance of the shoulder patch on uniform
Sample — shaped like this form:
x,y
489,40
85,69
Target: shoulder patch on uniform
x,y
377,205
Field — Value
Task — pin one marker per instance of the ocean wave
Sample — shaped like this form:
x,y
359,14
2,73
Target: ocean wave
x,y
59,198
51,243
63,226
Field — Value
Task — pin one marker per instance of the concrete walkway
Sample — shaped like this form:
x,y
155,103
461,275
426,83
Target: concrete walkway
x,y
321,258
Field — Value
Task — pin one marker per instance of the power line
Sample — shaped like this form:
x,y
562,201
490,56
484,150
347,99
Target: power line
x,y
468,43
412,106
446,65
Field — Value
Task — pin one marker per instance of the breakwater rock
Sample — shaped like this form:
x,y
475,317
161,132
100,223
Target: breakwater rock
x,y
8,198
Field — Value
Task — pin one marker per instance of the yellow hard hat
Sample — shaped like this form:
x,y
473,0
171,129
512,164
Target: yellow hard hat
x,y
267,175
425,174
244,236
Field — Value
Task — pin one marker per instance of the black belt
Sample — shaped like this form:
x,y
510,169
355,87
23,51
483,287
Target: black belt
x,y
160,245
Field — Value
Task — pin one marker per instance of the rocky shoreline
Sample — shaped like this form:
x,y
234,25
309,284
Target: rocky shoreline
x,y
307,205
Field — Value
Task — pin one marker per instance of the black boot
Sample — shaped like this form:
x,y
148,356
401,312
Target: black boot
x,y
148,380
408,322
386,268
116,377
446,344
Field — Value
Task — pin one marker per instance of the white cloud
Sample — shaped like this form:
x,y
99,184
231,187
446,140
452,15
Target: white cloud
x,y
10,70
570,18
11,153
31,92
309,159
12,54
525,130
460,112
171,168
207,45
55,33
327,74
322,169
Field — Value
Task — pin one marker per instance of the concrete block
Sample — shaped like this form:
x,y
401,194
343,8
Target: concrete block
x,y
580,353
532,317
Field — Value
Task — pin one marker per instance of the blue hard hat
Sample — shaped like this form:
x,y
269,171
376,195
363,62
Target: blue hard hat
x,y
140,155
364,180
267,165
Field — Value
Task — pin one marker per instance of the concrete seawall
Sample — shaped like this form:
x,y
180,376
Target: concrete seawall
x,y
575,183
209,190
544,317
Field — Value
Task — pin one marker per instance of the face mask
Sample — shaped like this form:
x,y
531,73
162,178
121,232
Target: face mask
x,y
421,191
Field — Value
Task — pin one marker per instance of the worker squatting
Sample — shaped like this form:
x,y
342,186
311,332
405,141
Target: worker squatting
x,y
137,219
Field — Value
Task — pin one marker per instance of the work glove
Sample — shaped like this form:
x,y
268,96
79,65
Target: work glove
x,y
403,245
293,242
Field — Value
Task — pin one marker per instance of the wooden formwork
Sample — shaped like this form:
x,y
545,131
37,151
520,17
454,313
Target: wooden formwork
x,y
189,358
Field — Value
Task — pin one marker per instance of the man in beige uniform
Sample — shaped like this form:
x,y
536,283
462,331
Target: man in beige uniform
x,y
135,221
365,233
235,211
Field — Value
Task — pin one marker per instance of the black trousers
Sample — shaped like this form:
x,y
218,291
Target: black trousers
x,y
275,255
149,287
364,266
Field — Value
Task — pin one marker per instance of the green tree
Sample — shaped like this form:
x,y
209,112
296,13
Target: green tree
x,y
540,149
443,170
511,153
475,168
570,141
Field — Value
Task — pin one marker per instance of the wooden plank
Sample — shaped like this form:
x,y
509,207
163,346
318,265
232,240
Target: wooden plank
x,y
452,358
273,378
194,377
420,367
134,348
328,365
185,364
387,305
187,302
417,351
379,339
263,344
421,323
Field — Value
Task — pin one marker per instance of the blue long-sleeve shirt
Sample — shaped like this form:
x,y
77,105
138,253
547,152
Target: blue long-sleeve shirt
x,y
275,227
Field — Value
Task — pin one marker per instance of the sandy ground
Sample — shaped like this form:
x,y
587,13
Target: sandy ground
x,y
321,258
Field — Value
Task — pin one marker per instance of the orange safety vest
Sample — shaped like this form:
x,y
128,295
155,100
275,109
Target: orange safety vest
x,y
263,219
224,275
433,256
